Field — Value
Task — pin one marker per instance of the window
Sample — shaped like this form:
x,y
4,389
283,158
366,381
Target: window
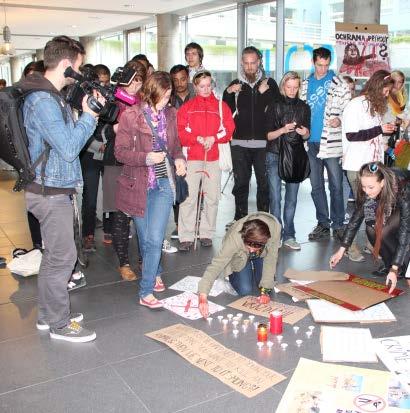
x,y
134,43
111,51
151,45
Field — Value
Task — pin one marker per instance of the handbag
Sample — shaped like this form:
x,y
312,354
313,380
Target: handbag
x,y
225,157
25,263
181,185
293,163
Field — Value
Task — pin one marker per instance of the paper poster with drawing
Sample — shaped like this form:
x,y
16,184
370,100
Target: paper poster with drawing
x,y
186,305
190,284
361,49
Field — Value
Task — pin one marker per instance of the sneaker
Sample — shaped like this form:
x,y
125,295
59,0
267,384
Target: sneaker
x,y
292,244
107,239
174,234
74,333
229,224
127,273
338,233
159,285
354,253
319,232
42,325
205,242
89,243
151,302
77,280
168,248
185,246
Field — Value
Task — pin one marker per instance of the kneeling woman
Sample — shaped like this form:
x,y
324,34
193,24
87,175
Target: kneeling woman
x,y
147,137
248,256
383,202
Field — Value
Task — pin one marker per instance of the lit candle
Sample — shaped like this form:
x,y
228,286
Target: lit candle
x,y
235,323
284,346
209,319
269,344
276,323
295,329
246,322
311,328
235,319
259,344
308,334
244,328
224,321
251,317
229,316
220,317
239,315
279,338
235,332
262,332
299,342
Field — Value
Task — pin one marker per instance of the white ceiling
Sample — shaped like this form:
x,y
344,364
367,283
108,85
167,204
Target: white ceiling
x,y
33,23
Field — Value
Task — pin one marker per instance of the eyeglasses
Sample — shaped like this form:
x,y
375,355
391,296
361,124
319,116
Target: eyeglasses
x,y
254,244
373,168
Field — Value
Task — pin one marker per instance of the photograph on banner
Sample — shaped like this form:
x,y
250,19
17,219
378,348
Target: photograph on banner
x,y
361,49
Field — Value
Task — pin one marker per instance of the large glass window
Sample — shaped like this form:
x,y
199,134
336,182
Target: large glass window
x,y
151,45
216,33
111,51
5,72
134,43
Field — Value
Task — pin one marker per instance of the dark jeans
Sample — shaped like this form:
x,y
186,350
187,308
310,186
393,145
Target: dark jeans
x,y
55,214
246,281
120,236
35,231
275,196
242,160
317,180
92,170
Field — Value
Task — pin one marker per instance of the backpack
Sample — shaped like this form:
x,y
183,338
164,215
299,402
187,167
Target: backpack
x,y
13,138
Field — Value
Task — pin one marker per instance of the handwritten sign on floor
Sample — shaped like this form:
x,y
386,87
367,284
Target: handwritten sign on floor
x,y
291,314
238,372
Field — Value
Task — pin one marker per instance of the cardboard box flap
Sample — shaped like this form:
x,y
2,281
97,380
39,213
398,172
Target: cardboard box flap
x,y
315,275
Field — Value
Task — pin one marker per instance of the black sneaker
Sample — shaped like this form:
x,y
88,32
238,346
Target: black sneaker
x,y
319,232
174,234
338,233
74,333
229,224
77,280
42,325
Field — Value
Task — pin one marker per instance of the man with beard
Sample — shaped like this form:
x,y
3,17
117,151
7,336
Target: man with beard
x,y
248,96
182,89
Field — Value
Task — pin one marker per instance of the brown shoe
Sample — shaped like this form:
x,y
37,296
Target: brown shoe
x,y
205,242
89,244
127,273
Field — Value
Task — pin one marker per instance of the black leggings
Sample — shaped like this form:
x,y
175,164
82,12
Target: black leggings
x,y
390,241
120,236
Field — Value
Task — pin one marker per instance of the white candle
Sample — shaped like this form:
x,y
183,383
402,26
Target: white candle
x,y
279,338
311,328
235,332
251,317
229,316
299,342
295,329
259,344
308,334
284,346
269,344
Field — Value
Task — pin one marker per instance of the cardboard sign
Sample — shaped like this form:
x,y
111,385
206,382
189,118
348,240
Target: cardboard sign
x,y
362,49
238,372
289,288
315,275
290,313
354,294
337,388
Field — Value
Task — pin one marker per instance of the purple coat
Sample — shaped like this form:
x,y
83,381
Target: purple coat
x,y
132,144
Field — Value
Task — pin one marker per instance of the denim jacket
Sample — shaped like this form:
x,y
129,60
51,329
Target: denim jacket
x,y
44,121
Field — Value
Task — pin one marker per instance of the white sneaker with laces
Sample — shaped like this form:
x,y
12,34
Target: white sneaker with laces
x,y
168,248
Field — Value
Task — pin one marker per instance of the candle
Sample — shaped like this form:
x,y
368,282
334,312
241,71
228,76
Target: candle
x,y
311,328
229,316
220,317
209,319
246,322
235,323
276,325
259,344
279,338
283,345
308,334
235,319
262,332
235,332
299,342
269,344
295,329
251,317
244,328
224,321
239,315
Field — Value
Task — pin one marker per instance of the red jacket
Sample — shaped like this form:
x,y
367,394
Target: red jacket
x,y
200,117
132,144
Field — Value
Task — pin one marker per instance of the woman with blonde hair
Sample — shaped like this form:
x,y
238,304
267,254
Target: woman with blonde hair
x,y
287,123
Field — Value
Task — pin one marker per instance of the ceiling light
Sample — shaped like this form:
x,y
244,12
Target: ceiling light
x,y
129,6
7,48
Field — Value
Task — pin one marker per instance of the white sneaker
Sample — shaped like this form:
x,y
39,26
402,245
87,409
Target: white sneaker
x,y
292,244
168,248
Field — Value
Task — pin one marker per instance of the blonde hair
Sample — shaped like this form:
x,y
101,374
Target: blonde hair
x,y
291,75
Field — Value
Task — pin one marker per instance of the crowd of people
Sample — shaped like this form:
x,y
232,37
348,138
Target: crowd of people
x,y
169,126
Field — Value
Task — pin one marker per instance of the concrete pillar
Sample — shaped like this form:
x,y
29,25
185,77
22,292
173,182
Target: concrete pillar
x,y
168,45
40,54
15,69
362,11
91,52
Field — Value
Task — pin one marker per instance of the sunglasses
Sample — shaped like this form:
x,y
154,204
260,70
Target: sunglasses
x,y
254,244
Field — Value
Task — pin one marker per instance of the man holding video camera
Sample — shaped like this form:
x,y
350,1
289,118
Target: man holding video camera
x,y
50,124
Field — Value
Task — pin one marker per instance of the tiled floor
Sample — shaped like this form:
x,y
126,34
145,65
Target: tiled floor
x,y
124,371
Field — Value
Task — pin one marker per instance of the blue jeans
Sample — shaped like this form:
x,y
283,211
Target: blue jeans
x,y
275,197
317,180
151,231
246,281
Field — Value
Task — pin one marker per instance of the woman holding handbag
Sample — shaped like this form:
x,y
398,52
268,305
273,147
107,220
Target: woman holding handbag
x,y
201,129
146,142
287,125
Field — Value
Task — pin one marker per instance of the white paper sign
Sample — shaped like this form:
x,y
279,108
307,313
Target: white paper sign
x,y
394,352
186,305
325,312
190,284
345,344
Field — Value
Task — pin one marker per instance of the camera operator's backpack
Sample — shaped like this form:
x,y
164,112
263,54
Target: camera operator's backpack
x,y
13,137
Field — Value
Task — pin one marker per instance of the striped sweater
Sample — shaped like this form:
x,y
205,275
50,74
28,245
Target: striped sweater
x,y
338,96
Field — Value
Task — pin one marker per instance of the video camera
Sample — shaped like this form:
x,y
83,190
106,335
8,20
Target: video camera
x,y
85,85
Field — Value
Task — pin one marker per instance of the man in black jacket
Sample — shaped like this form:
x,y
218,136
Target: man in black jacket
x,y
248,96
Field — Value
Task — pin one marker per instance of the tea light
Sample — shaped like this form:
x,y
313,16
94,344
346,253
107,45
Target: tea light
x,y
235,319
235,323
262,332
255,324
224,321
209,319
229,316
244,328
295,329
299,342
239,315
311,328
269,344
246,322
220,317
235,332
284,346
279,338
251,317
308,334
260,345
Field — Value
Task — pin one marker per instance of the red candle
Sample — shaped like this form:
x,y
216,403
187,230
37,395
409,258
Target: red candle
x,y
262,332
275,321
